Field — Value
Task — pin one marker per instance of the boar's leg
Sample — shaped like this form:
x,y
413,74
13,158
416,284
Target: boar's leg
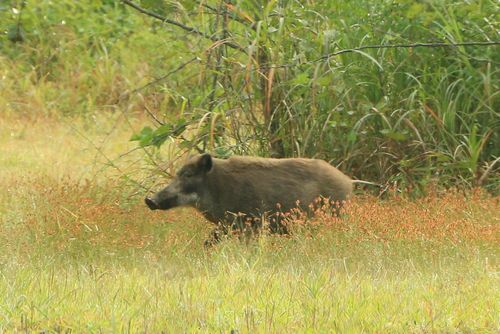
x,y
242,225
278,224
216,235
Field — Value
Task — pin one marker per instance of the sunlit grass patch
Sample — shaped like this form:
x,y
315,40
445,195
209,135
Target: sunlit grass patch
x,y
243,294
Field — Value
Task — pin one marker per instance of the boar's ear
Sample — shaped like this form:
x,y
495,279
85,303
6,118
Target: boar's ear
x,y
205,162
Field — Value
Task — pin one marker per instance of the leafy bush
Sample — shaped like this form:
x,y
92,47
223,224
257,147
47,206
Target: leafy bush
x,y
409,115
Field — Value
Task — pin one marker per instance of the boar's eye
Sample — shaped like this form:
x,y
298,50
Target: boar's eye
x,y
188,173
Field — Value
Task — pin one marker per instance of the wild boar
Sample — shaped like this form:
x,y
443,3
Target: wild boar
x,y
251,187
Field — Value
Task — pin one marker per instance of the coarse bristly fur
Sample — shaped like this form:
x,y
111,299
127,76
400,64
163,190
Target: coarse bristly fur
x,y
251,186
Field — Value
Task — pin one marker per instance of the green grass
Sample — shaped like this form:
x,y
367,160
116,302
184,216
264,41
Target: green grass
x,y
222,292
86,257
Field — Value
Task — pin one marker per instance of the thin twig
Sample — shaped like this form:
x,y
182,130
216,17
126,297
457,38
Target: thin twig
x,y
153,116
101,152
414,45
487,171
157,80
390,46
180,25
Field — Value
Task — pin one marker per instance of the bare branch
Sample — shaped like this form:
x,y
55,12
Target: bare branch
x,y
163,77
399,46
390,46
153,116
182,26
487,172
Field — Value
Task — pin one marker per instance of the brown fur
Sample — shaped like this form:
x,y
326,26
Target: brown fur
x,y
252,186
255,185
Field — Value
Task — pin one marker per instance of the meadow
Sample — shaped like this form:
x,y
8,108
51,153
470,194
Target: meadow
x,y
94,96
80,253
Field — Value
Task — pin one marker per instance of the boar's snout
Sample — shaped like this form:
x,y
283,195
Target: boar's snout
x,y
163,200
151,204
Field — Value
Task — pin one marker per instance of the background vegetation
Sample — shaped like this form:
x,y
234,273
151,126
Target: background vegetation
x,y
256,78
80,253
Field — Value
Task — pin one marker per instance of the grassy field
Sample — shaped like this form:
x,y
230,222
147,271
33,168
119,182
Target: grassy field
x,y
80,253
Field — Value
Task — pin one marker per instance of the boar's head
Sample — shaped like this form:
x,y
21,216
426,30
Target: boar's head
x,y
186,186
